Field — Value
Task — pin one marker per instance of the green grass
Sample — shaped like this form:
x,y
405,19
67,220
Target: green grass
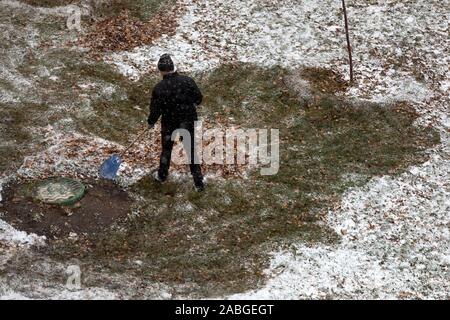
x,y
126,111
218,239
109,117
15,132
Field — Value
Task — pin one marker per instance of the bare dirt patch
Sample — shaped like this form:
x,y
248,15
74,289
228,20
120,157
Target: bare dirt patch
x,y
103,204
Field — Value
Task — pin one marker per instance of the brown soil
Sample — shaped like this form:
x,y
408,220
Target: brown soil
x,y
103,204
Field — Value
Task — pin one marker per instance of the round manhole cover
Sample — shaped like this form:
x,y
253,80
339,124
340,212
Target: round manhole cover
x,y
61,191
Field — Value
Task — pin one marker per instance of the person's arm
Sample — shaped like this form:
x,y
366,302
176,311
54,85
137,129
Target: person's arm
x,y
155,108
196,94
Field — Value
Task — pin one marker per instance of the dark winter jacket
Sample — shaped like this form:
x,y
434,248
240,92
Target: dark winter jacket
x,y
175,99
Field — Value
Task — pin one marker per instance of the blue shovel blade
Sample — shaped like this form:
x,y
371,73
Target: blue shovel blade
x,y
110,167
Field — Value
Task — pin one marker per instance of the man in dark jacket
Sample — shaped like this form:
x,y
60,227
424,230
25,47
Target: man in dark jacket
x,y
175,100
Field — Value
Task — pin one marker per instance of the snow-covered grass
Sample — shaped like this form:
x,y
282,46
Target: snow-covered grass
x,y
395,243
267,33
398,242
11,235
394,230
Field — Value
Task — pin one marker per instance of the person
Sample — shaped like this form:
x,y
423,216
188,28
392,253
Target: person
x,y
175,99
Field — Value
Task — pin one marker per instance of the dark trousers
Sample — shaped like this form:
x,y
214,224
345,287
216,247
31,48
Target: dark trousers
x,y
167,146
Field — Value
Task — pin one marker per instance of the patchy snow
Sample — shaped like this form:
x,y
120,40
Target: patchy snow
x,y
395,243
59,293
264,32
62,11
15,287
11,235
395,230
90,294
65,154
325,272
34,283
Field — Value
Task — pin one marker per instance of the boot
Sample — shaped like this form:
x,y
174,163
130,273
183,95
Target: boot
x,y
199,185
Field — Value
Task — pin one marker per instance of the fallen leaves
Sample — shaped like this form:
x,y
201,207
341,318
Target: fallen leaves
x,y
126,32
80,156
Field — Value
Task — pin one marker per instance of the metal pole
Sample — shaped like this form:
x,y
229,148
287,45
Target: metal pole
x,y
349,47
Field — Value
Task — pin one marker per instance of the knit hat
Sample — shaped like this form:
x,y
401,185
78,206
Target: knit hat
x,y
165,63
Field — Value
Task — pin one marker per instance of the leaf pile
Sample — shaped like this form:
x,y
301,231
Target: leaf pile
x,y
126,32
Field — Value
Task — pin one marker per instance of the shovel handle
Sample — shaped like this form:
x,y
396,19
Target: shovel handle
x,y
134,141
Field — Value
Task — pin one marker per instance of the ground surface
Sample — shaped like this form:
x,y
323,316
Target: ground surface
x,y
102,205
359,209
